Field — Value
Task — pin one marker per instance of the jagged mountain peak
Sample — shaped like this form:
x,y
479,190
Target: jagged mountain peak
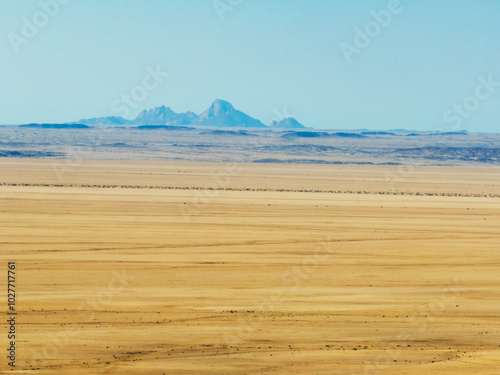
x,y
163,116
222,113
287,123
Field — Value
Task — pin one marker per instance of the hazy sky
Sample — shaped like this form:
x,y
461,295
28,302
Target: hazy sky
x,y
406,67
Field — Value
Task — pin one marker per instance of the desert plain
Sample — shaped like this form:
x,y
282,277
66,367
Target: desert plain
x,y
163,267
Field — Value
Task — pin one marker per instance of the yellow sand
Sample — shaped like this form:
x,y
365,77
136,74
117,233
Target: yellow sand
x,y
168,279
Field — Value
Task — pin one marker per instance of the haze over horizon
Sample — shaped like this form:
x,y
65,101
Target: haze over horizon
x,y
426,66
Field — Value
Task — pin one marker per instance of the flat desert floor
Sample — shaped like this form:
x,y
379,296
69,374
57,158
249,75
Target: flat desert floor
x,y
200,268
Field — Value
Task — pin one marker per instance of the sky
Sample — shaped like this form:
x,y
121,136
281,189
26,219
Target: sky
x,y
331,64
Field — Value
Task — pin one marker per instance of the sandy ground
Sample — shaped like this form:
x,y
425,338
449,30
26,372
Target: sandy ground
x,y
171,278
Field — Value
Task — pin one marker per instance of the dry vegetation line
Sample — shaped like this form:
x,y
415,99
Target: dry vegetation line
x,y
157,187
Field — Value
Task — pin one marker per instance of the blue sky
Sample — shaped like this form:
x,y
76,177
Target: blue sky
x,y
269,58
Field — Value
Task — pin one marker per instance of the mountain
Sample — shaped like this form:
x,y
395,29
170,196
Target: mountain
x,y
287,123
112,120
220,114
163,116
223,114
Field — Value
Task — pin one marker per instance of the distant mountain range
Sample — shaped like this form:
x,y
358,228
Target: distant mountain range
x,y
55,126
104,121
220,114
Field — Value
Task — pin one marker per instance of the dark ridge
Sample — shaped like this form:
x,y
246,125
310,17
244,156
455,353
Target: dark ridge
x,y
306,161
450,133
163,127
229,132
14,144
300,148
268,160
201,145
439,133
118,144
348,135
301,134
55,126
479,154
378,133
29,154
